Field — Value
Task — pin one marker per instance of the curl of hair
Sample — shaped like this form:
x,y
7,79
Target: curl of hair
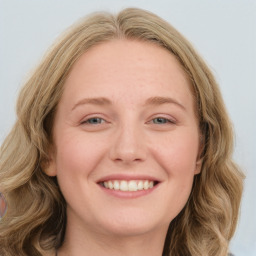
x,y
36,216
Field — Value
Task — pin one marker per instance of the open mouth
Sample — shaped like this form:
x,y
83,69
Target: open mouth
x,y
131,185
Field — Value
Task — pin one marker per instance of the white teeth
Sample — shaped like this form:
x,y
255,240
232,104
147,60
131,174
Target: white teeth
x,y
105,184
140,185
116,185
146,184
132,185
123,185
110,185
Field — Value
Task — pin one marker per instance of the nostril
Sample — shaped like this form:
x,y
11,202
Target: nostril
x,y
128,158
128,148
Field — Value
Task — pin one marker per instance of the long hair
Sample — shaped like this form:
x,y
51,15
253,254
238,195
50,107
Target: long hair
x,y
36,216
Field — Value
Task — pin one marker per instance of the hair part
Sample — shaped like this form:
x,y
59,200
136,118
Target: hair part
x,y
36,216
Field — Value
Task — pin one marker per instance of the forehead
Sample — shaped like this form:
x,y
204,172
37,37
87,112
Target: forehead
x,y
121,66
124,51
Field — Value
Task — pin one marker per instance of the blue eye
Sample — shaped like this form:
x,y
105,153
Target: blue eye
x,y
161,120
94,120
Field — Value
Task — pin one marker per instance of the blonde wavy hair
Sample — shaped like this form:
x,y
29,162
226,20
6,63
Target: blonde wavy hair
x,y
36,216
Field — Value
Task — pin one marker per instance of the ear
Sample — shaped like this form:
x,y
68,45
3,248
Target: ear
x,y
198,166
50,168
200,155
49,165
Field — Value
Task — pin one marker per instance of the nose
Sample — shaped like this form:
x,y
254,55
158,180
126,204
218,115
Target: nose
x,y
128,146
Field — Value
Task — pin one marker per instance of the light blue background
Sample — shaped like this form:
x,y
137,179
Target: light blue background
x,y
223,31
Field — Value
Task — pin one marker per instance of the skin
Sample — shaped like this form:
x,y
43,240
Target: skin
x,y
134,132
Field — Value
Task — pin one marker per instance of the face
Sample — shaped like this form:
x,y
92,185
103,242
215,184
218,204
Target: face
x,y
126,139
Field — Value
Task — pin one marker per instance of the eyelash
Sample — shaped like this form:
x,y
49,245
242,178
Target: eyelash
x,y
87,121
160,120
163,121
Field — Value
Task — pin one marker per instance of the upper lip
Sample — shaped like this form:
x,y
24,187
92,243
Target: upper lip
x,y
127,177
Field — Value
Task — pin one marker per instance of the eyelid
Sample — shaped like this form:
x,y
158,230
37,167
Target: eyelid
x,y
170,119
85,120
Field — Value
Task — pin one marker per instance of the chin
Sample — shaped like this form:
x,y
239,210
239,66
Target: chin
x,y
129,223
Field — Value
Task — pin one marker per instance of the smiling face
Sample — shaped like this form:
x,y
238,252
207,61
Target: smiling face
x,y
126,139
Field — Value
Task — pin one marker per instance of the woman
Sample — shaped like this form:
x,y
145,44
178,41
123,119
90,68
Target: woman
x,y
122,146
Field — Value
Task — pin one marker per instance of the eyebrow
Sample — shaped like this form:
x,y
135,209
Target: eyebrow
x,y
150,101
163,100
94,101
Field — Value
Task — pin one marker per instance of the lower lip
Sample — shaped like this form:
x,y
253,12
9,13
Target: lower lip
x,y
128,194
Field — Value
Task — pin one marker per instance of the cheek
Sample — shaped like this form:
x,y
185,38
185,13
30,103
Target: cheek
x,y
178,159
178,154
77,156
76,160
